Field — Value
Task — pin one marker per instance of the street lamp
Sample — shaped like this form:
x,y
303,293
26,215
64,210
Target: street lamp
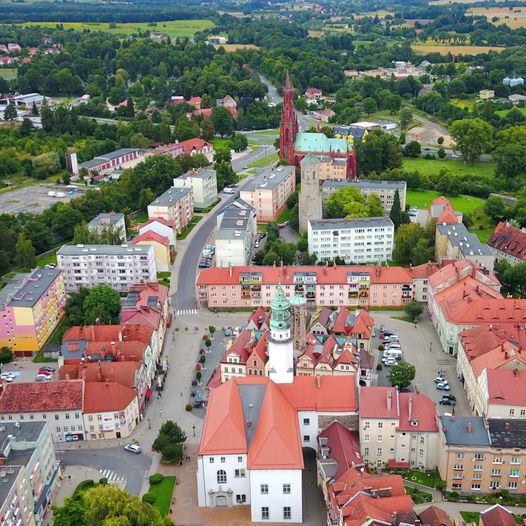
x,y
193,429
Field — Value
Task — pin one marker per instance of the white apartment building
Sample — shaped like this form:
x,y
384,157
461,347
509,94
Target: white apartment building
x,y
203,183
385,190
119,266
16,498
109,221
236,229
359,240
175,205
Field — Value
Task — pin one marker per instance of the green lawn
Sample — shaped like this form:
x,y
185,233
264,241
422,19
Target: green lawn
x,y
47,260
163,494
164,278
172,28
265,161
482,233
426,479
8,73
220,142
274,131
284,216
503,113
408,319
418,496
462,203
188,228
456,167
470,516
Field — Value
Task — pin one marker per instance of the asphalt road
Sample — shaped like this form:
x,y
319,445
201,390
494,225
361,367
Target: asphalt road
x,y
125,465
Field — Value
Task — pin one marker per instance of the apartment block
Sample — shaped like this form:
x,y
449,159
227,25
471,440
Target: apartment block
x,y
397,429
109,221
27,449
360,240
481,455
385,190
119,266
321,286
31,306
203,183
236,229
269,191
175,205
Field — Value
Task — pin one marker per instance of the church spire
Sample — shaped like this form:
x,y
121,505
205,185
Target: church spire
x,y
289,123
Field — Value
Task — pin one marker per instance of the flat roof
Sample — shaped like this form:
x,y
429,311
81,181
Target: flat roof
x,y
203,173
107,250
269,179
21,431
170,197
24,290
8,474
105,218
100,159
358,222
367,183
465,430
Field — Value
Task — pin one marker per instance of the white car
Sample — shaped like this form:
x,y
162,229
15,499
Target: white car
x,y
390,361
133,448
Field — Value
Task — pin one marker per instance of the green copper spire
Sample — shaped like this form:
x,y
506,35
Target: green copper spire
x,y
280,318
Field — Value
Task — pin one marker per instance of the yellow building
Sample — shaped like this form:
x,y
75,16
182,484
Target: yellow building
x,y
31,305
161,248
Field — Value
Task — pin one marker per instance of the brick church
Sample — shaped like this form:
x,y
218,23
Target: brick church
x,y
295,145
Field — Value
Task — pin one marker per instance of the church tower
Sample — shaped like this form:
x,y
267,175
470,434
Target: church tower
x,y
310,199
298,306
289,124
280,365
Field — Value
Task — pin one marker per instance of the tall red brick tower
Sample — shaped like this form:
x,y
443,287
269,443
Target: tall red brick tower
x,y
289,124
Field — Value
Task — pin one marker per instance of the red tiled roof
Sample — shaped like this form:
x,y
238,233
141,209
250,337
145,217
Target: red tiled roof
x,y
509,239
125,351
107,397
434,516
194,144
507,387
150,318
158,220
374,402
344,447
42,396
109,333
239,347
118,372
285,275
497,515
150,235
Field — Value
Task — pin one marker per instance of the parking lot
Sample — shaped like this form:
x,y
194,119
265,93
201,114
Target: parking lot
x,y
34,199
421,347
25,370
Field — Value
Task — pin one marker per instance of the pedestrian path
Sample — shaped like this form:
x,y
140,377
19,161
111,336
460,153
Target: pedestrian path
x,y
186,312
114,478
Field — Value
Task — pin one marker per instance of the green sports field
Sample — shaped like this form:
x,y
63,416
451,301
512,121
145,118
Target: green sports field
x,y
456,167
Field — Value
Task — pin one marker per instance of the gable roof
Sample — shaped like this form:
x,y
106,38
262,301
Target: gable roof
x,y
344,446
497,515
509,239
506,386
107,397
435,516
151,235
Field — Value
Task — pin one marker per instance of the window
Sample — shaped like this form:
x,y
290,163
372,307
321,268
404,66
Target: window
x,y
211,460
458,467
306,421
495,472
239,473
286,512
478,468
223,460
56,417
67,416
379,451
367,425
475,486
286,489
366,438
479,456
264,513
90,418
512,412
306,438
221,476
515,460
512,485
380,425
240,459
264,489
497,460
459,456
514,472
58,428
477,476
494,484
380,438
241,499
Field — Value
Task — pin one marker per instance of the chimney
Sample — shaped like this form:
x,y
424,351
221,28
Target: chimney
x,y
318,381
230,270
410,409
389,400
470,427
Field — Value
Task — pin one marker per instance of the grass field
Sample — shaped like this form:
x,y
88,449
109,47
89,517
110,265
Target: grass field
x,y
433,166
8,73
470,516
230,48
219,143
512,17
445,49
163,494
462,203
426,479
265,161
503,113
172,28
463,104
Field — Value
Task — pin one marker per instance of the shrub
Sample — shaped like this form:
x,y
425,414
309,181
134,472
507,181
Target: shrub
x,y
148,498
379,367
381,347
202,358
198,375
156,478
211,329
205,337
103,481
188,407
208,343
6,355
84,485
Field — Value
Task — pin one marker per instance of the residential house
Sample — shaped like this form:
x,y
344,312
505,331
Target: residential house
x,y
323,115
195,102
161,249
497,515
188,147
57,403
313,94
435,516
236,230
269,191
502,393
162,227
203,183
31,306
112,222
508,242
398,430
322,321
357,326
486,94
176,100
119,266
174,205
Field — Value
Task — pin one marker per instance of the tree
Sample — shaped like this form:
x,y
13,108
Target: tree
x,y
102,304
374,204
223,121
472,136
207,130
405,117
495,208
401,375
414,244
412,149
25,253
441,153
239,142
169,441
6,355
271,258
46,164
10,113
349,202
72,513
413,309
74,311
25,128
396,211
511,161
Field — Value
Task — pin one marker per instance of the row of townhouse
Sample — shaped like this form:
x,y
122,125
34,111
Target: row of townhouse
x,y
321,286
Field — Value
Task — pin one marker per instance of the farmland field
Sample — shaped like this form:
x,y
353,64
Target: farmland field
x,y
433,166
513,18
172,28
230,48
444,49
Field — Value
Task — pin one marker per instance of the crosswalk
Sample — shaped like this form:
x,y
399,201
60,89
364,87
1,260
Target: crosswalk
x,y
185,312
114,478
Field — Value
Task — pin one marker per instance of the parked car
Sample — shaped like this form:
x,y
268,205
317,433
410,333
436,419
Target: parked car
x,y
443,386
48,368
440,379
42,378
450,396
45,373
133,448
390,361
446,401
228,332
